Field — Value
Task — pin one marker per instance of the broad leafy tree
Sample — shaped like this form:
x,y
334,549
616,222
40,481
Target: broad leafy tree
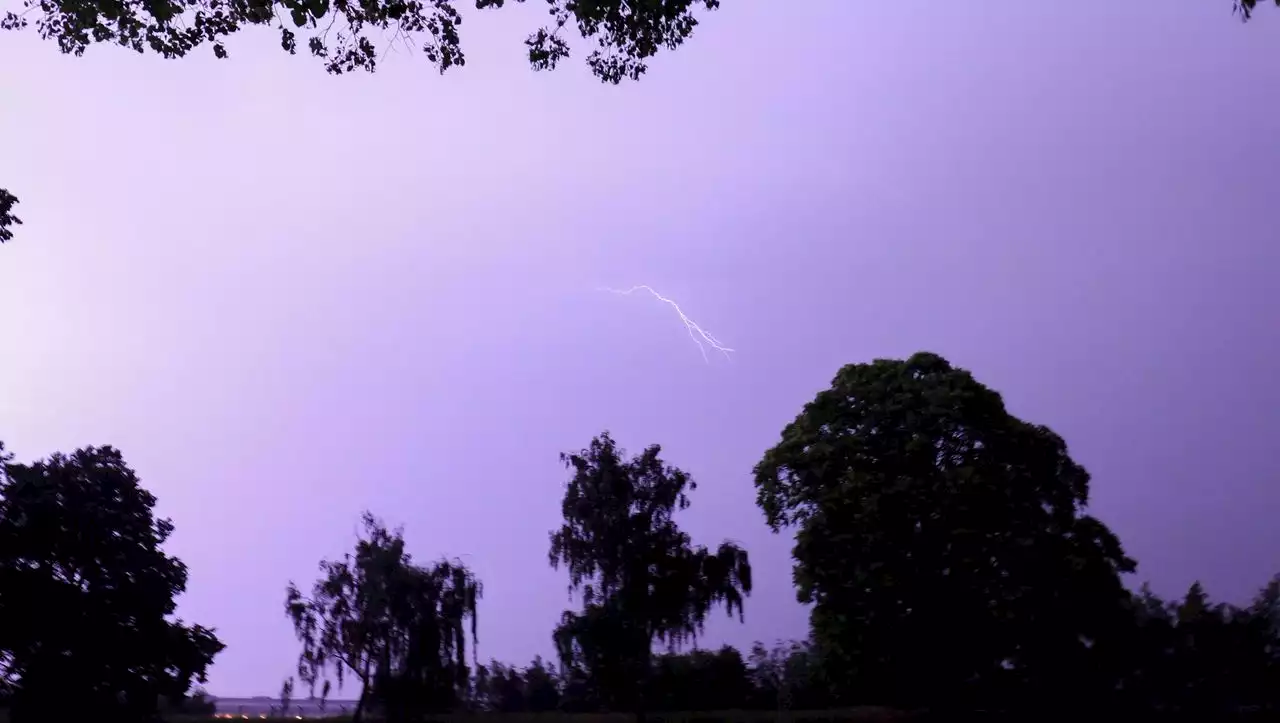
x,y
641,578
942,542
398,627
87,594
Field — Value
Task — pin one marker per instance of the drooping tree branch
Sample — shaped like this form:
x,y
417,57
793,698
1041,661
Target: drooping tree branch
x,y
398,627
641,578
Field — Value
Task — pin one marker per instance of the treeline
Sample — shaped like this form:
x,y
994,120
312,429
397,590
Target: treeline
x,y
781,677
943,545
1189,655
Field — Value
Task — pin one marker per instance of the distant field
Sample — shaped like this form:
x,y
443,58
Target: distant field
x,y
852,715
306,707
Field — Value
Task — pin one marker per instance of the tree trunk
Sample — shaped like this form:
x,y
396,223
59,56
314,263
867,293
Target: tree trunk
x,y
364,695
645,666
359,712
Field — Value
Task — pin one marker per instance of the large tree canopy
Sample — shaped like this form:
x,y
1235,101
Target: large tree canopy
x,y
941,540
641,577
86,593
399,627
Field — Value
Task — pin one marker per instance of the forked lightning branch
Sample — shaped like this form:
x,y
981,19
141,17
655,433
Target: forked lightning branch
x,y
700,336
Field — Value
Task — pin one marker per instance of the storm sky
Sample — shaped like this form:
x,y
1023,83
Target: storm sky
x,y
289,297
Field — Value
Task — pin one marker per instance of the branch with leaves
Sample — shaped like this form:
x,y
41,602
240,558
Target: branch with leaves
x,y
7,219
341,33
1246,7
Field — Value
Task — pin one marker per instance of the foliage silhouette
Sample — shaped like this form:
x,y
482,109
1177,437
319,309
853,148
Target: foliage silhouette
x,y
641,578
286,695
1246,7
501,688
7,218
340,33
787,677
86,593
401,629
700,680
541,691
941,540
696,681
1197,656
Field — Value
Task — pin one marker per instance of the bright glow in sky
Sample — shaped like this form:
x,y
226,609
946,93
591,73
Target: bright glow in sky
x,y
288,297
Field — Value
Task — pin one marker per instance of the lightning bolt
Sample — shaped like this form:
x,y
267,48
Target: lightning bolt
x,y
700,336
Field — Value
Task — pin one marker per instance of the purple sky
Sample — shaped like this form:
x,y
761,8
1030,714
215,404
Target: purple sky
x,y
288,297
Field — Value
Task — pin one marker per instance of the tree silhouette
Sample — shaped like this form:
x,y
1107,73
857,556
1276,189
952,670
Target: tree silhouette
x,y
641,578
786,676
1199,657
341,33
541,690
7,218
86,593
940,539
1246,7
398,627
700,680
286,696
